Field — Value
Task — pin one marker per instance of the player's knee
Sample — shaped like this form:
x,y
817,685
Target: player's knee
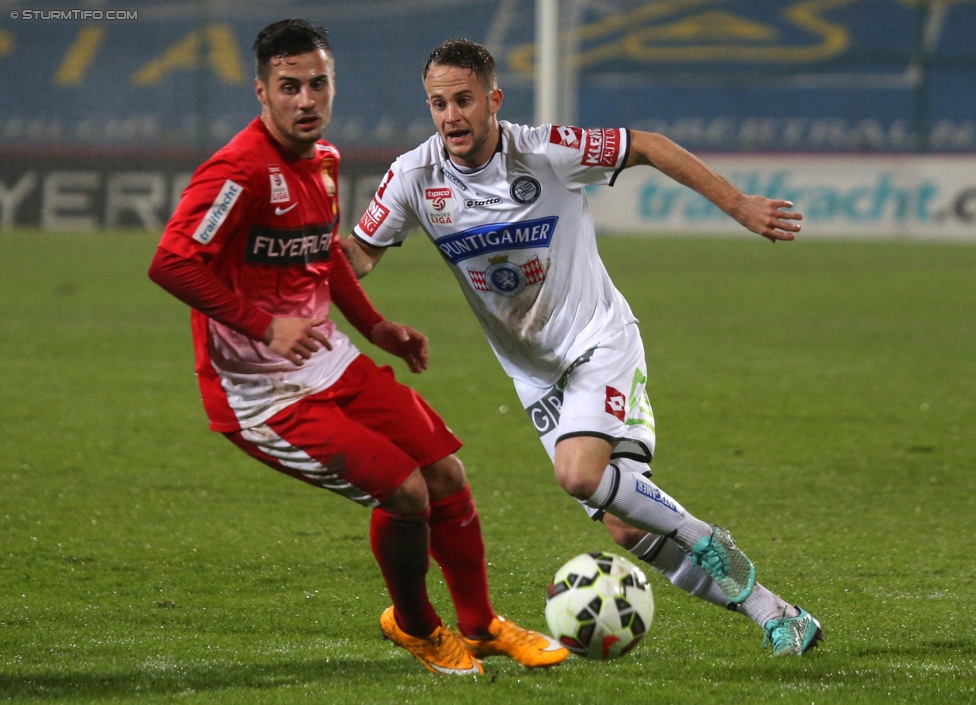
x,y
444,477
580,462
577,480
410,498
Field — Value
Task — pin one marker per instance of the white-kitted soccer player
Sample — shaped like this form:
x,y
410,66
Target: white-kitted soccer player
x,y
505,206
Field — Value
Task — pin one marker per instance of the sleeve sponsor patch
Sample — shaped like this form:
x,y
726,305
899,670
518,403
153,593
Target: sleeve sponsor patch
x,y
602,148
566,136
225,200
386,182
373,217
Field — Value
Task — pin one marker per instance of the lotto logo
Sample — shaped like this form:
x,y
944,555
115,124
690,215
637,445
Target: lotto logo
x,y
616,403
566,136
602,148
373,217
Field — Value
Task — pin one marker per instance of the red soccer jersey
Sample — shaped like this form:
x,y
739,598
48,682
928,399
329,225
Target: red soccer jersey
x,y
265,224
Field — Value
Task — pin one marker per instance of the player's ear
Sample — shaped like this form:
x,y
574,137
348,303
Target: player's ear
x,y
495,100
261,90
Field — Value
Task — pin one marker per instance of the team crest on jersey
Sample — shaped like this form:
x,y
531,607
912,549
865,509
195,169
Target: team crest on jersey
x,y
507,278
439,204
525,190
279,187
328,164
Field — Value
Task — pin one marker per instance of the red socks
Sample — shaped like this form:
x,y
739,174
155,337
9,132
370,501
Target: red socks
x,y
400,545
452,529
458,547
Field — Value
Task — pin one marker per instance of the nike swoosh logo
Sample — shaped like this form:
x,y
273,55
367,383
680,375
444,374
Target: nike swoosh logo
x,y
474,670
281,211
553,644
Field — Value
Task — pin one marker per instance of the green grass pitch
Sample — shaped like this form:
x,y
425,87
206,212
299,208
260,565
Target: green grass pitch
x,y
818,398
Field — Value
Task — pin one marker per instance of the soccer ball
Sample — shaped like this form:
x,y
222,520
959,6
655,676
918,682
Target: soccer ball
x,y
599,605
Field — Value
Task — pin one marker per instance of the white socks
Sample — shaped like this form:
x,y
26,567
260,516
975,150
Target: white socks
x,y
636,500
763,605
672,531
667,558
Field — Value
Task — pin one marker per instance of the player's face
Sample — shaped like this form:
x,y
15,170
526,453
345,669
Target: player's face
x,y
464,113
297,99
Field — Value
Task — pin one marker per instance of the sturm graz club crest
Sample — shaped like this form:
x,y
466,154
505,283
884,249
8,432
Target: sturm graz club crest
x,y
525,190
507,278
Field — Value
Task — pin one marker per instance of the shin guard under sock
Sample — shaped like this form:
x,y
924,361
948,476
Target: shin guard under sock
x,y
458,547
400,544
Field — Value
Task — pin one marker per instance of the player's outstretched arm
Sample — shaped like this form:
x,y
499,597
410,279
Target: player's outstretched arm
x,y
402,341
764,216
361,256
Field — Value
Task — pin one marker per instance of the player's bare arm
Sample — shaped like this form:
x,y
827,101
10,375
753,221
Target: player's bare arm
x,y
361,256
768,217
402,341
296,339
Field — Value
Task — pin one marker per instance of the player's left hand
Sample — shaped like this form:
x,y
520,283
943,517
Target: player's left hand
x,y
770,218
402,341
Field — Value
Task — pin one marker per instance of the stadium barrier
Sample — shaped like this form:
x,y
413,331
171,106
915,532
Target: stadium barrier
x,y
92,189
895,196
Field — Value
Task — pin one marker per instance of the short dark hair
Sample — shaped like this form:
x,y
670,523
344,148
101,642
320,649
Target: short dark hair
x,y
465,54
287,38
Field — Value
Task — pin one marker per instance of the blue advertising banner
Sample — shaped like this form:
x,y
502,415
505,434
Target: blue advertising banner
x,y
731,75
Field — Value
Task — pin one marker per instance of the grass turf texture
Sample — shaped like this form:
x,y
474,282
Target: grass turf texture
x,y
816,398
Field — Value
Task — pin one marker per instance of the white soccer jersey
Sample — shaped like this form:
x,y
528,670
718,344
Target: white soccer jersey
x,y
518,236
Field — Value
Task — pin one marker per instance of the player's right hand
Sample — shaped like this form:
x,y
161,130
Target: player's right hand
x,y
773,219
296,339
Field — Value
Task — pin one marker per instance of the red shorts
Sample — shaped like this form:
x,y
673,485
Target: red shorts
x,y
360,438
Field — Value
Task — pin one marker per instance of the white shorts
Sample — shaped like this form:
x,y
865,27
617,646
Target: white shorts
x,y
601,394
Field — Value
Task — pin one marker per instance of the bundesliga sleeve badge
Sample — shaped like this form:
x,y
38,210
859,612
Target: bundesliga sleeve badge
x,y
507,278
